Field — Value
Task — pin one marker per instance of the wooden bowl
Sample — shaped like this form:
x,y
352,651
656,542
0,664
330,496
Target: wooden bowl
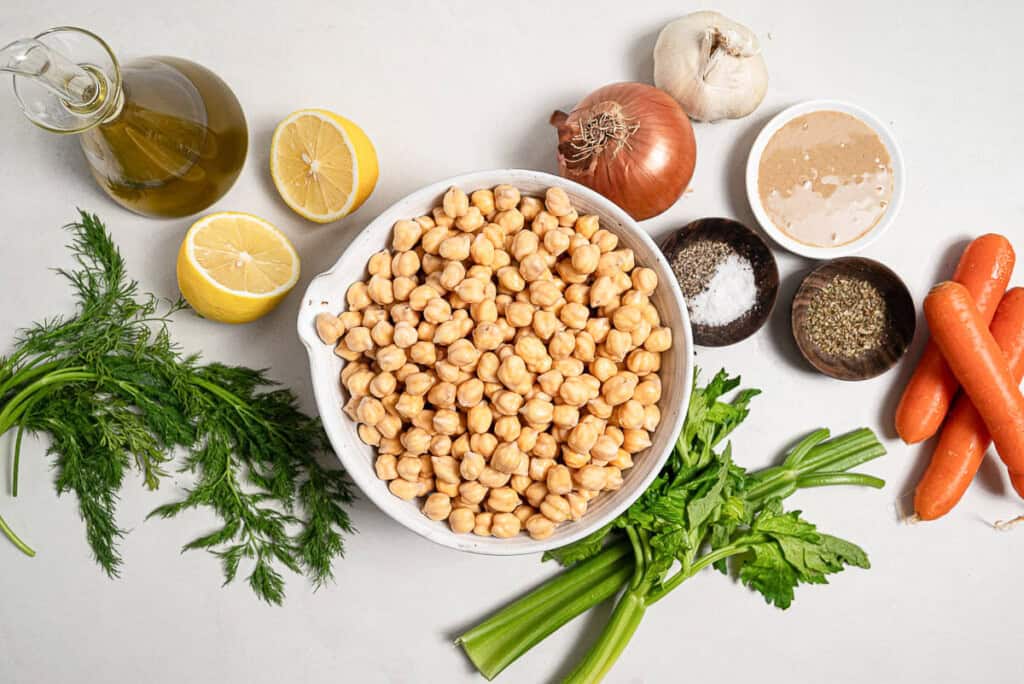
x,y
751,247
902,318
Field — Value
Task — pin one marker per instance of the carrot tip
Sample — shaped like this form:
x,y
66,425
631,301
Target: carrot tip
x,y
1007,525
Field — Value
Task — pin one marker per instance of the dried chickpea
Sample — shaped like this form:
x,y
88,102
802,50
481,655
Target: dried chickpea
x,y
357,296
416,441
455,247
471,465
604,449
536,491
403,313
539,527
385,468
448,332
372,315
485,311
445,469
506,197
635,441
404,489
423,353
524,244
599,328
557,202
403,335
544,293
545,324
510,220
629,415
405,235
558,479
605,241
574,391
455,203
530,207
483,443
440,445
437,506
421,295
424,420
535,411
556,241
487,337
627,318
489,477
461,520
369,411
506,456
565,416
659,340
506,403
587,225
585,258
402,287
358,384
437,310
519,314
568,220
487,367
431,265
329,327
586,348
469,393
619,388
577,505
389,426
382,385
408,468
419,383
462,353
526,441
652,417
350,319
617,344
409,405
483,200
546,446
640,334
381,335
446,422
482,524
505,525
512,371
643,362
570,367
482,251
432,239
583,437
460,447
555,508
550,382
404,264
524,511
533,267
574,315
358,339
534,353
471,221
507,428
613,482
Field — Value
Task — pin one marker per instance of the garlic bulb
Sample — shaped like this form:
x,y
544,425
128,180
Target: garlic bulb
x,y
711,65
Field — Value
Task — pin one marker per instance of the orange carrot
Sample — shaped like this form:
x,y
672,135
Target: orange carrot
x,y
965,439
984,269
977,362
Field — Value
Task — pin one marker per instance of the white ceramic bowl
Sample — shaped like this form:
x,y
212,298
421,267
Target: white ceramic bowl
x,y
327,293
898,169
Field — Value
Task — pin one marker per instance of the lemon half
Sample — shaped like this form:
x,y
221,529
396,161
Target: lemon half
x,y
235,267
324,166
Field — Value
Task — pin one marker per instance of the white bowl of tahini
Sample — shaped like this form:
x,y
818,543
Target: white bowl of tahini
x,y
825,178
326,293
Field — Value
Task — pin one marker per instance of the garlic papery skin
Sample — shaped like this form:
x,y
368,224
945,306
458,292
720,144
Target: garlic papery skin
x,y
711,65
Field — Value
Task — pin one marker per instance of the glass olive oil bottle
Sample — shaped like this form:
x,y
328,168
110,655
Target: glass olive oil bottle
x,y
163,136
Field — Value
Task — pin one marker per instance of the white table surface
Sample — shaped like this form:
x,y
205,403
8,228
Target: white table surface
x,y
448,87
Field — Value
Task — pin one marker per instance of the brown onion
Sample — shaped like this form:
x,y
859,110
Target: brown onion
x,y
632,143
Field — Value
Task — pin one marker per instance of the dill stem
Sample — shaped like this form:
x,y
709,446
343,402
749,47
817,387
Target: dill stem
x,y
16,406
22,546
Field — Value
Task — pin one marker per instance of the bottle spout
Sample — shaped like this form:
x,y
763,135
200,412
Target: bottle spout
x,y
66,79
30,58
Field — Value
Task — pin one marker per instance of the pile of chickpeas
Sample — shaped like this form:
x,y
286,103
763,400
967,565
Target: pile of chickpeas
x,y
503,358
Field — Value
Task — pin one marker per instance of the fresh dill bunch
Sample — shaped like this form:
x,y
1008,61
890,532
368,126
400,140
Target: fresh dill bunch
x,y
114,392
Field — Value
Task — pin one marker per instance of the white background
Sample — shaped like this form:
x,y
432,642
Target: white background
x,y
448,87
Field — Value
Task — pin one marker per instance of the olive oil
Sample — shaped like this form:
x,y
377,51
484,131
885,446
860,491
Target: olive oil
x,y
174,144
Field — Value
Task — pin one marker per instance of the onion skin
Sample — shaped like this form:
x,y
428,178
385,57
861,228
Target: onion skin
x,y
647,166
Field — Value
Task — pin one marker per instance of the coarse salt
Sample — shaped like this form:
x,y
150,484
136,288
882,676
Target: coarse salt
x,y
730,293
